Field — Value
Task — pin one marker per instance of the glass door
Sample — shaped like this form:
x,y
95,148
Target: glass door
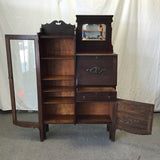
x,y
24,75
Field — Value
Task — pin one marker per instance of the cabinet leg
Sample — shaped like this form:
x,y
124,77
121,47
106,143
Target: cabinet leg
x,y
47,127
112,133
108,127
42,133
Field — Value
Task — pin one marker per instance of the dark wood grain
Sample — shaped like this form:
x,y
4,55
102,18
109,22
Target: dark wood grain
x,y
94,46
135,117
59,77
57,28
94,108
59,119
96,89
95,96
59,109
93,119
59,89
65,100
58,58
108,76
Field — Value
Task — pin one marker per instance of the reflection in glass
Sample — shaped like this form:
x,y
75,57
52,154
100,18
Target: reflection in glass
x,y
94,32
24,78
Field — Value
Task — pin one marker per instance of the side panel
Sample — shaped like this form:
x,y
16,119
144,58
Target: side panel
x,y
135,117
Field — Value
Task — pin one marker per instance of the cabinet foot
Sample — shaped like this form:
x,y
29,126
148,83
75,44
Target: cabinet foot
x,y
47,127
42,134
108,127
112,133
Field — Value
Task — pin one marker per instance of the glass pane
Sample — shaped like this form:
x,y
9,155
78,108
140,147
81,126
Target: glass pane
x,y
92,32
24,77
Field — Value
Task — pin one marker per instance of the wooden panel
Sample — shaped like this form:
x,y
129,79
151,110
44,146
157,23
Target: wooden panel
x,y
93,119
135,117
58,58
96,70
48,95
59,119
96,89
58,109
56,47
95,96
59,77
58,28
59,89
94,108
57,67
51,84
62,100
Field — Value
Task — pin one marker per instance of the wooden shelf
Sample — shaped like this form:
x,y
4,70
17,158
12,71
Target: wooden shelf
x,y
95,54
59,89
93,119
59,119
60,100
58,58
96,89
67,77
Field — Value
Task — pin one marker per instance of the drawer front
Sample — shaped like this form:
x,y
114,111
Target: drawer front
x,y
96,70
95,96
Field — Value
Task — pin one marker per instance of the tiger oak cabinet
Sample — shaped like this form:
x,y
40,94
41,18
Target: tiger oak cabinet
x,y
76,72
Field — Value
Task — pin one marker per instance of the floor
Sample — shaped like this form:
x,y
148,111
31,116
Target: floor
x,y
76,142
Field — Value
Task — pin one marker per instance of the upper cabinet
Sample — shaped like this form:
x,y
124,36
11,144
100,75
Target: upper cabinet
x,y
93,34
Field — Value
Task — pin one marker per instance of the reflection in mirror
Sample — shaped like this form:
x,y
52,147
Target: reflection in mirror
x,y
24,78
92,32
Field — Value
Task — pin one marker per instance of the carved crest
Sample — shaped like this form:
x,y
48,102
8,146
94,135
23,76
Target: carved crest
x,y
57,28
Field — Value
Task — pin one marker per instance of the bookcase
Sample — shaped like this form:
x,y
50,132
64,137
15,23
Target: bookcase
x,y
57,61
77,77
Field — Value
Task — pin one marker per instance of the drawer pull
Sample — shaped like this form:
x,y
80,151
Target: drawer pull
x,y
109,97
84,97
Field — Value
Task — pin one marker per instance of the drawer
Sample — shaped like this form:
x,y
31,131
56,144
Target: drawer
x,y
95,96
96,70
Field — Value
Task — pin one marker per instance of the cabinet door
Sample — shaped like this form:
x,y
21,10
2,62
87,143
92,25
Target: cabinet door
x,y
23,57
135,117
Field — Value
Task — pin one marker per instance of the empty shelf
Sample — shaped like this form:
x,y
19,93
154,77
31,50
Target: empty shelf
x,y
60,100
59,89
59,119
93,119
67,77
58,57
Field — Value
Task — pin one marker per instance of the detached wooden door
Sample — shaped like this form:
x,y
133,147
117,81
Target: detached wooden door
x,y
135,117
